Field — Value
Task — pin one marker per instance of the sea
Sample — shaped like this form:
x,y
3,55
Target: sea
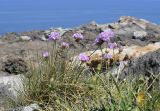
x,y
26,15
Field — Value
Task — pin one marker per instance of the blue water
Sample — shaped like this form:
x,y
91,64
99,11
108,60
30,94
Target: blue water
x,y
26,15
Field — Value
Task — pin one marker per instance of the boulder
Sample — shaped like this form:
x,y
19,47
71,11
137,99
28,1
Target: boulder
x,y
11,86
25,38
148,65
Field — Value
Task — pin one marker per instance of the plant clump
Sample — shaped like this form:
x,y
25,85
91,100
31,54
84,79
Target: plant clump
x,y
61,83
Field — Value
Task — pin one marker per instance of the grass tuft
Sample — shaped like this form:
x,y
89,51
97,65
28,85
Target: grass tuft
x,y
58,83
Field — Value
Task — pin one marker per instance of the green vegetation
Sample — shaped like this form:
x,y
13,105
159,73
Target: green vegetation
x,y
61,83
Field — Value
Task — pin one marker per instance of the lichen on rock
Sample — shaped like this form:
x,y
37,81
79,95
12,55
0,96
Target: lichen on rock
x,y
15,66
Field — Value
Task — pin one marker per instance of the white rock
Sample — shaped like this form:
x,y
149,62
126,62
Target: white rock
x,y
43,38
25,38
11,86
140,34
31,107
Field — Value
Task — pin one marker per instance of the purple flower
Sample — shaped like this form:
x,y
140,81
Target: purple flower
x,y
83,57
98,41
78,37
104,37
54,36
64,45
112,45
109,33
45,54
107,56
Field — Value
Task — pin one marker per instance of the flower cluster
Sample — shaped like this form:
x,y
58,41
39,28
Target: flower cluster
x,y
83,57
78,37
112,45
100,39
45,54
64,45
104,37
54,36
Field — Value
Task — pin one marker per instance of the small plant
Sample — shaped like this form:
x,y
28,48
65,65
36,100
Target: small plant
x,y
60,83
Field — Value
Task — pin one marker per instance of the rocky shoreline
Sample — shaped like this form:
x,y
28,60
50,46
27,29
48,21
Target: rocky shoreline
x,y
139,38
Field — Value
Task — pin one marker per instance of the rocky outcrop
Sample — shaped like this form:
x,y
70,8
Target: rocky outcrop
x,y
129,31
148,65
126,53
138,59
127,27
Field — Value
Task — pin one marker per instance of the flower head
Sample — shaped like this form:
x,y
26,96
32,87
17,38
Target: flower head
x,y
104,37
64,45
109,33
45,54
107,56
98,41
54,36
83,57
78,37
112,45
